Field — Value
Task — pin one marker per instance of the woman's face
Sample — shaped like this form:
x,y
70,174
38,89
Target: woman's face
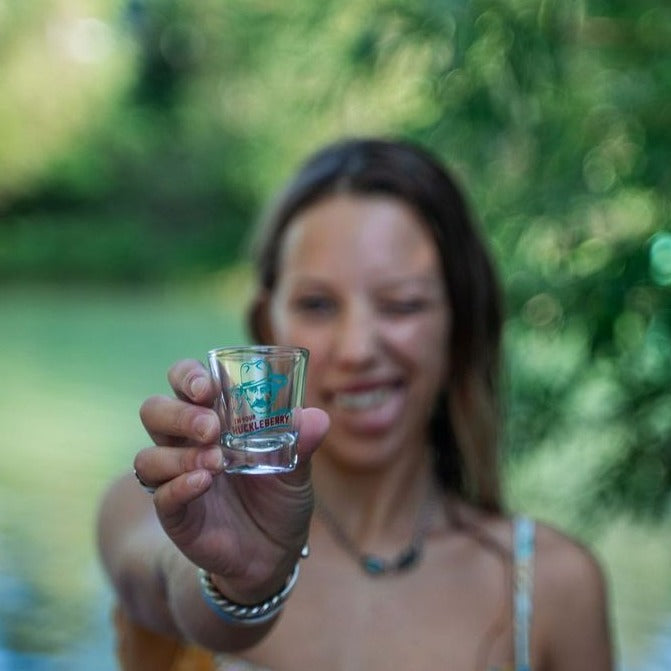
x,y
360,285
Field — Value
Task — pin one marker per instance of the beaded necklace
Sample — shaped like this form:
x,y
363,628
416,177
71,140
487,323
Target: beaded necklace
x,y
375,565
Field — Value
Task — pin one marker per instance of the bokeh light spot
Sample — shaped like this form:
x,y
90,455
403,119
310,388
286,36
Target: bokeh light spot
x,y
660,259
542,310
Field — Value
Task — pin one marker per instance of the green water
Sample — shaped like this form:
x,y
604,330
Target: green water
x,y
75,366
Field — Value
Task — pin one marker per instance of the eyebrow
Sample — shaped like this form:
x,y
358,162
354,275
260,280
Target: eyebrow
x,y
412,279
390,283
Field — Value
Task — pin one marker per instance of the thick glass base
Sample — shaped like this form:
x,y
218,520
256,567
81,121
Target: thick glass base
x,y
260,453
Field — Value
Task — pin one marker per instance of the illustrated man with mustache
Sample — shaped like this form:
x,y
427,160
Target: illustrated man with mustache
x,y
259,385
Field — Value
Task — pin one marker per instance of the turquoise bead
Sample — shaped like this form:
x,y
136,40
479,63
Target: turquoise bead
x,y
373,565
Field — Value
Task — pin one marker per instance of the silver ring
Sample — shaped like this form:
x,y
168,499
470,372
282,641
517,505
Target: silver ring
x,y
143,484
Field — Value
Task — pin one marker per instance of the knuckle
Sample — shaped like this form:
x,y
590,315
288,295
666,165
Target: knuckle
x,y
180,419
188,459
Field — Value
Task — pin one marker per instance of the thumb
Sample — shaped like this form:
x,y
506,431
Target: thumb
x,y
313,425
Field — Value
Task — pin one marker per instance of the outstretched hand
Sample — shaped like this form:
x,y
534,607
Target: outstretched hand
x,y
247,530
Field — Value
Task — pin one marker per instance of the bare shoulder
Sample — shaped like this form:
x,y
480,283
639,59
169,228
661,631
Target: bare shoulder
x,y
571,620
565,565
561,562
570,628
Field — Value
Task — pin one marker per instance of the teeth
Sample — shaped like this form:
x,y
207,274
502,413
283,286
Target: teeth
x,y
362,400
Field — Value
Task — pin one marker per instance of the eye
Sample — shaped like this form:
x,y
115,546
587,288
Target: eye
x,y
405,306
316,305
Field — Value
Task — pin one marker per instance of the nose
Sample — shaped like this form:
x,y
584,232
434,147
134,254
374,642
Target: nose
x,y
356,338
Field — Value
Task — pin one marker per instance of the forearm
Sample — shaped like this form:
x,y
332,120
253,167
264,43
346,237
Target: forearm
x,y
156,585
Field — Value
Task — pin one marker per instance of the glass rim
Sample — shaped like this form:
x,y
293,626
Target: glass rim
x,y
261,350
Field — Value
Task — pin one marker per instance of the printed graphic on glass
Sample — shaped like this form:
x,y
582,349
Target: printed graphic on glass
x,y
255,399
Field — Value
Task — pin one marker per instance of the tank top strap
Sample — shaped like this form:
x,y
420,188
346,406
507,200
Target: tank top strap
x,y
523,539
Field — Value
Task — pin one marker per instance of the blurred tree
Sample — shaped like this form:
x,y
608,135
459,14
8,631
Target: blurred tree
x,y
558,114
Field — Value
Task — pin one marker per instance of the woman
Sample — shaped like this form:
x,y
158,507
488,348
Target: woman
x,y
368,259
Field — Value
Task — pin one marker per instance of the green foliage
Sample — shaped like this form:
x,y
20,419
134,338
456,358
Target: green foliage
x,y
555,114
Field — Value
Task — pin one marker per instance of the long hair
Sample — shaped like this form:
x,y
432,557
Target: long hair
x,y
465,422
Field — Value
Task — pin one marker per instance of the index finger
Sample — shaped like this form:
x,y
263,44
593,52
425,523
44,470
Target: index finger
x,y
191,381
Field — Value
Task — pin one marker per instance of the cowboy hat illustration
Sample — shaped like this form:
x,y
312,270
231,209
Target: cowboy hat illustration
x,y
259,386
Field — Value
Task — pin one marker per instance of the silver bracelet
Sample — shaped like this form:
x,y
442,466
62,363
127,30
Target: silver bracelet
x,y
236,613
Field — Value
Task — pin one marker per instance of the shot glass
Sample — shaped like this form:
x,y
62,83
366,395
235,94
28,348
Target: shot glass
x,y
261,394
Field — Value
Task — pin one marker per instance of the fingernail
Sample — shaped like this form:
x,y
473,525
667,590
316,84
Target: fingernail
x,y
198,386
205,426
212,459
195,480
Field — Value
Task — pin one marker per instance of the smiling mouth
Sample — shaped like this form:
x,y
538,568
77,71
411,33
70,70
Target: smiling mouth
x,y
363,400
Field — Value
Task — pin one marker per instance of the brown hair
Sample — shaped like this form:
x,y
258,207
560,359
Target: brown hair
x,y
465,423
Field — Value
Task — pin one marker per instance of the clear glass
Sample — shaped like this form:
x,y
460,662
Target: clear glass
x,y
261,395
